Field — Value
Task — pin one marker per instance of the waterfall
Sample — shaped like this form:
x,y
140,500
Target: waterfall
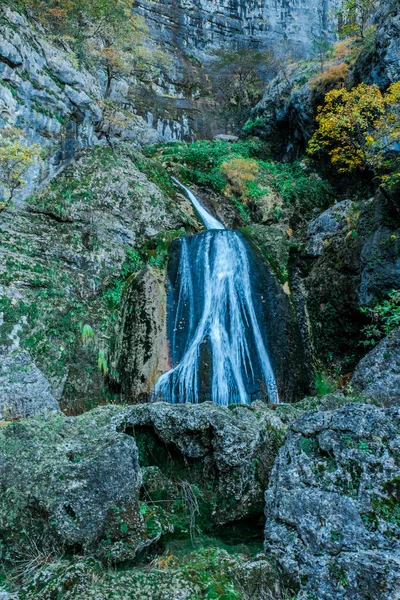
x,y
215,322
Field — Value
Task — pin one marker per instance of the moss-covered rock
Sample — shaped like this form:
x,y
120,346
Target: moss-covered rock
x,y
65,260
73,485
202,574
332,519
70,484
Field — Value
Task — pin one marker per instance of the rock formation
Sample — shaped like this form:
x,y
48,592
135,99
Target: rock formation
x,y
332,518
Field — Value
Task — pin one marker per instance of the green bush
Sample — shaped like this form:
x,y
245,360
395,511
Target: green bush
x,y
202,163
385,317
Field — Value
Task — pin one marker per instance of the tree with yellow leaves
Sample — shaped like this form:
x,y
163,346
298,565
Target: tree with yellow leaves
x,y
360,130
15,159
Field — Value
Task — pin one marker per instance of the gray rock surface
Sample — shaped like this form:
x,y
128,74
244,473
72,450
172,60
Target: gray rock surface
x,y
24,390
380,264
378,373
205,25
70,483
142,352
60,105
332,519
321,229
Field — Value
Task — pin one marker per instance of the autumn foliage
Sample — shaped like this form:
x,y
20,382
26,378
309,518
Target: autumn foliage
x,y
359,129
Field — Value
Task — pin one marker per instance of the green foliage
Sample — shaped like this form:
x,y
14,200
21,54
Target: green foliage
x,y
200,162
385,317
240,171
356,16
324,383
239,80
16,156
388,506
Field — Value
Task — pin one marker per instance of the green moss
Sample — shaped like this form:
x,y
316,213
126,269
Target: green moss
x,y
309,445
388,508
273,246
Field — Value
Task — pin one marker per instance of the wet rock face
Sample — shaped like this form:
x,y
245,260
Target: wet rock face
x,y
332,519
378,373
24,390
142,353
275,316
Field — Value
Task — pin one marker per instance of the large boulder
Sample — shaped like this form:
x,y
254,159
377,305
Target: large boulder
x,y
332,221
332,506
225,455
69,484
24,390
74,485
378,373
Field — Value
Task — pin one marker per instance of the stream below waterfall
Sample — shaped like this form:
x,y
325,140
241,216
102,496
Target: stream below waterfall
x,y
217,345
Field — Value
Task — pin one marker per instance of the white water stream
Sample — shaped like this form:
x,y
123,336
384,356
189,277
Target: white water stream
x,y
228,321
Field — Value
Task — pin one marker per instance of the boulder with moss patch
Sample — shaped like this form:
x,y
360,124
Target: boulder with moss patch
x,y
333,522
69,484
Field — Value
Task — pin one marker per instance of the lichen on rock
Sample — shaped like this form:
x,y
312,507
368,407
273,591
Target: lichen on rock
x,y
332,519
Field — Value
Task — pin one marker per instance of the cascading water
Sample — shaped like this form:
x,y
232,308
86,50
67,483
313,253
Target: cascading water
x,y
215,322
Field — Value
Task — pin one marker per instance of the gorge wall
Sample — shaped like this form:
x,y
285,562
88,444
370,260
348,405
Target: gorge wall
x,y
201,26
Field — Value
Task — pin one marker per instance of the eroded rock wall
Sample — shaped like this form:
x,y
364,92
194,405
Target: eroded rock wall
x,y
203,25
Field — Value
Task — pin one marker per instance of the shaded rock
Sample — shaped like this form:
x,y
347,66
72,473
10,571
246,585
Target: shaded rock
x,y
321,229
380,264
332,504
227,453
142,353
70,483
380,64
378,373
24,390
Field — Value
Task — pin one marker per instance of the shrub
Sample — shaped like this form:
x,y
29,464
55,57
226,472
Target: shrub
x,y
334,77
239,172
16,156
385,317
359,129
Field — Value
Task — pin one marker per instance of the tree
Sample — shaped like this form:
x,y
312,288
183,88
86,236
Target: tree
x,y
15,159
322,50
356,16
360,130
239,79
101,30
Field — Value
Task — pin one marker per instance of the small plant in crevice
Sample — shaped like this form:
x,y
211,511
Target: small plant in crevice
x,y
384,317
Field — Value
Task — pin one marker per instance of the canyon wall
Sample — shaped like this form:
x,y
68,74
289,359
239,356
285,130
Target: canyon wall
x,y
201,26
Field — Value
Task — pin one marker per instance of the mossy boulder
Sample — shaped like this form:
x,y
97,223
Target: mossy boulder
x,y
74,485
70,484
66,257
332,506
201,574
